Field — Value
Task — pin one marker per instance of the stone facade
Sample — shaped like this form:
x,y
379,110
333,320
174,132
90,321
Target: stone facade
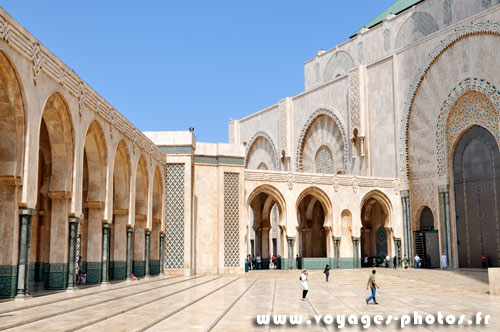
x,y
338,172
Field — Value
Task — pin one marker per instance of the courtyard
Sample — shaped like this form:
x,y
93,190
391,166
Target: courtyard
x,y
232,302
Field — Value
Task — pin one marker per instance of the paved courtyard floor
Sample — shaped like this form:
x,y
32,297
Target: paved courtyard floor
x,y
232,303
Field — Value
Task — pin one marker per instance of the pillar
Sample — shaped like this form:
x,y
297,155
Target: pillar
x,y
73,227
147,237
355,247
162,253
94,241
130,233
397,243
405,200
336,251
106,232
291,255
24,253
444,200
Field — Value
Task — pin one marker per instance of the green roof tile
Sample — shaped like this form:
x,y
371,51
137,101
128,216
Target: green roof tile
x,y
395,8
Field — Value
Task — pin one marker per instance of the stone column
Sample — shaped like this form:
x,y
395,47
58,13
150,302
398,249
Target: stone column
x,y
336,251
23,269
162,253
106,232
147,235
355,246
445,221
405,200
130,233
397,243
291,255
73,225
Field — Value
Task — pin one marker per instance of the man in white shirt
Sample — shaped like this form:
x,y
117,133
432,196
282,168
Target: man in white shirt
x,y
444,261
417,261
305,284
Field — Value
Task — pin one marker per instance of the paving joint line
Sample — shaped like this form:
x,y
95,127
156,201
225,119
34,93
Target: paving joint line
x,y
86,294
272,305
161,319
6,327
313,308
81,326
219,318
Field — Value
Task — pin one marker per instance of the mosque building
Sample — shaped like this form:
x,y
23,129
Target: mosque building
x,y
391,150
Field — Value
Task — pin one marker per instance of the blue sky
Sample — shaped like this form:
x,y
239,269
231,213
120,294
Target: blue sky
x,y
171,65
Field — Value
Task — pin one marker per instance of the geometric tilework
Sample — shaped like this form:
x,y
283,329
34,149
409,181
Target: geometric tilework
x,y
472,101
324,161
415,27
354,102
476,28
361,53
340,63
387,40
174,223
8,280
231,220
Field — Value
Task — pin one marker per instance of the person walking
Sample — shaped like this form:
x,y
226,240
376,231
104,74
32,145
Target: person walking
x,y
405,262
387,261
417,261
254,262
365,261
395,262
326,271
373,286
444,261
249,260
305,284
259,262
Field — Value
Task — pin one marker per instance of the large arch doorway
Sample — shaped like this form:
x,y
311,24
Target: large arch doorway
x,y
50,230
376,233
265,237
426,239
93,191
11,166
313,229
476,172
121,197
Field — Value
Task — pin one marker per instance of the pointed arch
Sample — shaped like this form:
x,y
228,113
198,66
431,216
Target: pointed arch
x,y
261,149
339,64
418,25
326,132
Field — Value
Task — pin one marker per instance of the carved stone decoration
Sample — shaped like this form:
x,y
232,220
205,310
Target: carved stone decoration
x,y
416,26
387,40
259,136
451,39
134,140
37,60
62,77
339,136
98,107
478,110
111,121
395,186
361,53
447,12
5,31
282,126
354,101
355,184
267,177
290,179
82,95
335,183
339,64
324,161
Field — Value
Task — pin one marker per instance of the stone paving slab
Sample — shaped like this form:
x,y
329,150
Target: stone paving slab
x,y
232,302
77,316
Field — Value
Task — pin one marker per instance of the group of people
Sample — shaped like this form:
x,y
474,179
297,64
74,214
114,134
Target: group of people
x,y
380,261
255,262
372,284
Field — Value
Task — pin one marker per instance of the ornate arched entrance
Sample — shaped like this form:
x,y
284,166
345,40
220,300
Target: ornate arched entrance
x,y
476,174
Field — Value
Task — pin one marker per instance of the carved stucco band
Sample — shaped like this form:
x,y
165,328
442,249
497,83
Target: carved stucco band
x,y
459,33
324,110
469,84
266,136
